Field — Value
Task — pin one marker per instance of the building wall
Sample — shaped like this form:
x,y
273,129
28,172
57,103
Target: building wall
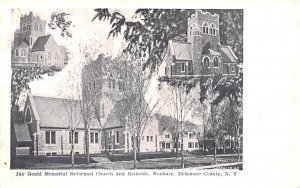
x,y
62,144
110,143
149,140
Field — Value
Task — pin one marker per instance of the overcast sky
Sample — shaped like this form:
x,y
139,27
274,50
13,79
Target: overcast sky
x,y
85,33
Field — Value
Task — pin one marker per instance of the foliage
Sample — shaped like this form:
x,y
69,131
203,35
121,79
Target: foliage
x,y
148,36
22,76
59,21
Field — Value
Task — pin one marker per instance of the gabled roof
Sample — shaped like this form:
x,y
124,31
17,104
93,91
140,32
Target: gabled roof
x,y
181,50
40,43
228,55
166,123
23,44
54,112
22,133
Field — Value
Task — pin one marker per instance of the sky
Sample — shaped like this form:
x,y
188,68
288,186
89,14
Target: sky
x,y
86,33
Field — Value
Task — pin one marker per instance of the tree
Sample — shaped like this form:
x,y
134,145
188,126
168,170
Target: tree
x,y
149,33
135,106
180,105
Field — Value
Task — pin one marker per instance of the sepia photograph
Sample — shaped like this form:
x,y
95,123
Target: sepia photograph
x,y
124,89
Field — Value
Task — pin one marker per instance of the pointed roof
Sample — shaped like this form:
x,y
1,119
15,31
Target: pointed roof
x,y
228,55
23,44
40,43
53,112
181,50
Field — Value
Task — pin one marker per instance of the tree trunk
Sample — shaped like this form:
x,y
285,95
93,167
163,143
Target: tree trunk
x,y
72,148
238,144
177,151
204,141
182,156
134,152
215,152
138,149
87,143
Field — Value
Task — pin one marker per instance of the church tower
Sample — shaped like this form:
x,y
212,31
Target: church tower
x,y
203,34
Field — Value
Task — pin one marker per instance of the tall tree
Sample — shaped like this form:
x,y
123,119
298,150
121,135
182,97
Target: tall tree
x,y
136,106
179,103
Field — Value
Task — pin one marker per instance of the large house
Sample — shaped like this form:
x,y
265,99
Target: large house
x,y
32,46
202,53
47,125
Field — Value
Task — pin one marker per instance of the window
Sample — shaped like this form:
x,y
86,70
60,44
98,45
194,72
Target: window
x,y
30,41
41,57
36,27
168,145
182,67
92,138
190,67
216,62
23,53
17,52
54,153
163,145
147,138
206,62
212,29
109,134
151,138
48,154
27,115
205,28
75,139
96,138
117,137
167,136
190,135
191,145
179,145
49,55
232,69
50,137
41,28
196,145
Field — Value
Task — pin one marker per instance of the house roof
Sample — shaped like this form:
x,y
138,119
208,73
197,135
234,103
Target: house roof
x,y
166,123
22,133
55,112
228,55
181,50
40,43
23,44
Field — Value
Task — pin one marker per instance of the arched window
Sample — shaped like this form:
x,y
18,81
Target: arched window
x,y
28,115
23,53
206,62
205,28
216,62
212,29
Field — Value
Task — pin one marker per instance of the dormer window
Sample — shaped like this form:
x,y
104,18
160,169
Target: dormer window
x,y
216,62
212,29
205,28
206,62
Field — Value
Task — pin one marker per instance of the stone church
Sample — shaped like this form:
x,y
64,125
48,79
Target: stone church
x,y
202,54
32,46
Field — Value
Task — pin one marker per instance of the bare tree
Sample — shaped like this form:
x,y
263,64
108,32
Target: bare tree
x,y
136,105
180,105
